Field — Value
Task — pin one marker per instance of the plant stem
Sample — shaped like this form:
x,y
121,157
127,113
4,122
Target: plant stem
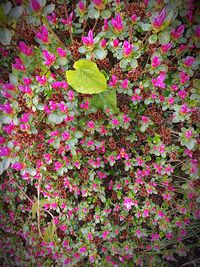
x,y
38,209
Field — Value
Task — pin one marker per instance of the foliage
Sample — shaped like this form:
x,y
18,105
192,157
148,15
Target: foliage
x,y
99,127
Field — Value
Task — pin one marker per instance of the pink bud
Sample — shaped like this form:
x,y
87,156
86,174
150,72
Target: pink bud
x,y
134,18
103,43
115,43
35,5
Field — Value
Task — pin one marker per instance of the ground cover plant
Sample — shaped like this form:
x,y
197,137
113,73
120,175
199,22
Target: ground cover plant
x,y
99,141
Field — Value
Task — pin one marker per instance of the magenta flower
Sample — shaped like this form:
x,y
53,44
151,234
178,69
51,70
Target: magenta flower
x,y
81,6
176,33
25,49
125,83
41,79
35,5
83,249
25,89
115,43
128,48
43,35
197,31
155,62
166,47
69,19
145,119
24,127
97,2
158,82
103,43
158,21
49,58
171,100
189,61
18,166
188,134
128,203
18,65
105,25
145,213
105,234
134,18
61,52
117,23
52,18
89,40
65,136
5,151
184,77
123,154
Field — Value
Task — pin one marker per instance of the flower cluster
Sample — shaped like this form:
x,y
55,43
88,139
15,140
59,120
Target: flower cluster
x,y
109,179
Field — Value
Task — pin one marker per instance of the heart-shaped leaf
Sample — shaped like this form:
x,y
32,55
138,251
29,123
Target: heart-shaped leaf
x,y
107,99
86,78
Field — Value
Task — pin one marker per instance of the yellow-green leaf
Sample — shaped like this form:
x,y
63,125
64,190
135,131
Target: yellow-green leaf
x,y
49,232
35,206
86,78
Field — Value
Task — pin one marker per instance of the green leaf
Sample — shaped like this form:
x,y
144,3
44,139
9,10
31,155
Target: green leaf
x,y
34,207
16,12
93,14
2,16
146,26
61,61
49,232
56,118
5,36
100,53
82,49
164,37
107,99
134,63
153,38
6,8
106,14
86,78
124,62
48,9
196,83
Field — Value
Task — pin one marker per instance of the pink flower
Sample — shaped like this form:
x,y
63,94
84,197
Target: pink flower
x,y
113,81
49,58
25,49
165,47
101,175
176,33
145,213
155,237
81,6
18,65
43,35
145,119
115,43
83,249
25,117
188,134
189,61
52,18
115,122
5,151
123,154
65,136
89,40
183,77
125,83
18,166
128,48
105,25
103,43
158,21
158,82
25,127
90,124
117,23
174,87
184,109
69,19
128,203
35,5
155,62
25,89
97,2
27,81
61,52
182,94
105,234
41,79
134,18
171,100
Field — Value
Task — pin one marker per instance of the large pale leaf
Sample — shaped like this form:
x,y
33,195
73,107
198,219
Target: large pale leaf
x,y
107,99
50,232
86,78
